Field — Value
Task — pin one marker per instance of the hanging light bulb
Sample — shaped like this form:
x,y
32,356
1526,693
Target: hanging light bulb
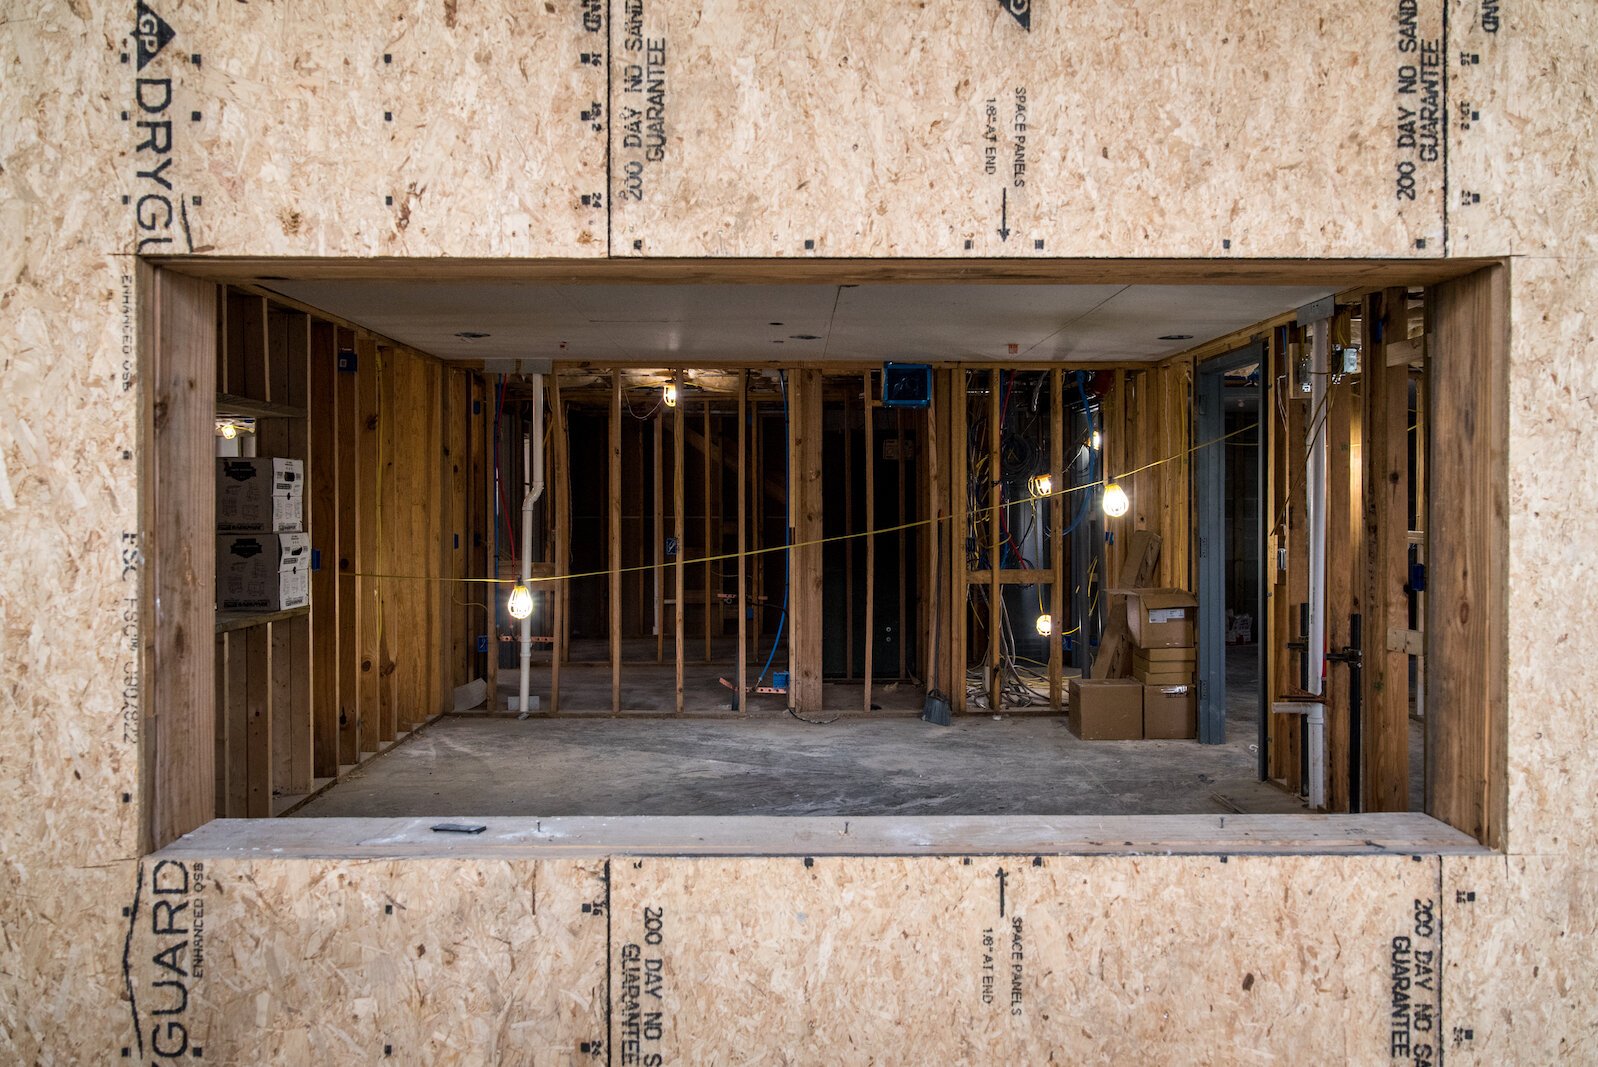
x,y
670,395
228,430
1042,484
1097,440
521,602
1115,500
1045,625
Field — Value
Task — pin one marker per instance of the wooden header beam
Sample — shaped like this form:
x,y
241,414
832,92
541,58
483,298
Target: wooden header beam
x,y
1338,274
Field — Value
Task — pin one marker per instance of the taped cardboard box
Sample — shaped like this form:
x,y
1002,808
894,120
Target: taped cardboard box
x,y
1163,672
1161,618
1164,677
1161,659
1106,709
263,571
260,494
1170,712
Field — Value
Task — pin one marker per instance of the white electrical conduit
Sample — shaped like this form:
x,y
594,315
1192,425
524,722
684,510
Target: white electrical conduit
x,y
533,488
1315,513
1315,731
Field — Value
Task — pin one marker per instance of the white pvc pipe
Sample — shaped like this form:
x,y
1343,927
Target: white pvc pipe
x,y
1317,756
1315,503
1315,734
533,487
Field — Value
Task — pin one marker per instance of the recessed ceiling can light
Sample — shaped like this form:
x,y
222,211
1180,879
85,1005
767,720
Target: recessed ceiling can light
x,y
1176,337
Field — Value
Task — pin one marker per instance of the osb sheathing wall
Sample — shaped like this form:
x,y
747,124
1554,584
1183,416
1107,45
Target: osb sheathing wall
x,y
1169,129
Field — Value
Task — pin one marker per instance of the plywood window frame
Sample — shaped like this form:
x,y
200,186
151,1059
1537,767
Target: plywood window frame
x,y
175,751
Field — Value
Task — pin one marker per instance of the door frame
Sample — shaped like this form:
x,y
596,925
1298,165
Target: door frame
x,y
1209,493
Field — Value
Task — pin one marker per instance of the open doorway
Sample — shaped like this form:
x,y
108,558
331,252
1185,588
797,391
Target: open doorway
x,y
1228,473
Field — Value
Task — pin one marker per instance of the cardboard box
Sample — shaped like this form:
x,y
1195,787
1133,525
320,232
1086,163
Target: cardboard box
x,y
263,572
1107,709
1187,654
255,494
1162,618
1164,677
1163,672
1170,712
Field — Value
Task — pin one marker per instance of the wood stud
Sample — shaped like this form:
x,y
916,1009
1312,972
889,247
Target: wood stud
x,y
679,526
613,486
1056,509
869,456
742,702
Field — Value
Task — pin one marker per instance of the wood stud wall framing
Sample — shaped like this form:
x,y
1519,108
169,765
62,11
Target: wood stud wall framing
x,y
1370,484
301,697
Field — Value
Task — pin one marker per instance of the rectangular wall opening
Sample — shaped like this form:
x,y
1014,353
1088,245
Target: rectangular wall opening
x,y
754,575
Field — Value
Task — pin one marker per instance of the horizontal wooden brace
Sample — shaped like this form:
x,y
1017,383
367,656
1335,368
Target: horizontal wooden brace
x,y
1409,642
1012,576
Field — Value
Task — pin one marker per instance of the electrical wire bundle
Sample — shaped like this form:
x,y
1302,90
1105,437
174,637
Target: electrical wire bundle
x,y
1022,455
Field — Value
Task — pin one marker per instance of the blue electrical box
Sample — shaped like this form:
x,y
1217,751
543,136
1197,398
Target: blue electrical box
x,y
906,385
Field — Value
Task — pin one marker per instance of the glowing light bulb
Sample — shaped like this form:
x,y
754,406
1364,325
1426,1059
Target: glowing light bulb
x,y
1042,485
670,396
1116,501
1045,625
521,602
1097,440
229,431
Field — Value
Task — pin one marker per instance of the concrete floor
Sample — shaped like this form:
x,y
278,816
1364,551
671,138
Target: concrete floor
x,y
649,686
891,764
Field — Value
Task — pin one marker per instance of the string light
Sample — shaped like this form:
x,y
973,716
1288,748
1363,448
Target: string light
x,y
1097,440
521,602
670,395
1042,484
1045,625
228,430
758,553
1116,501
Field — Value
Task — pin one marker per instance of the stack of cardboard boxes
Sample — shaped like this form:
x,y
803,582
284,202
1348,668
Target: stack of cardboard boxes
x,y
1159,701
263,557
1164,623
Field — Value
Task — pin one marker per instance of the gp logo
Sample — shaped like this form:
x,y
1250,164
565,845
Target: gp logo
x,y
152,33
1021,11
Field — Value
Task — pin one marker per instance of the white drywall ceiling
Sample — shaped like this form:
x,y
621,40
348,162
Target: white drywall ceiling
x,y
702,324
